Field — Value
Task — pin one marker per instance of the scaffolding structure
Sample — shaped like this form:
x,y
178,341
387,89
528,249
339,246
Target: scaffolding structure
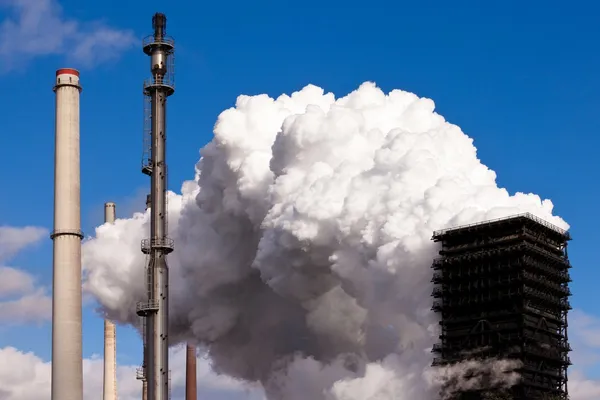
x,y
501,288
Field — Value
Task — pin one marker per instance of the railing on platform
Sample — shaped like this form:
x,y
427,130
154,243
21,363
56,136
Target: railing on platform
x,y
523,215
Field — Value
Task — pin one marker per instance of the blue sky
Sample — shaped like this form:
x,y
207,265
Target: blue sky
x,y
521,79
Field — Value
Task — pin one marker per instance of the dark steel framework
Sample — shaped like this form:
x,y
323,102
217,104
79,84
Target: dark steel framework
x,y
501,288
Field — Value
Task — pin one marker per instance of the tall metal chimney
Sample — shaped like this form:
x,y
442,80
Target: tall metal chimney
x,y
110,334
67,372
160,48
190,373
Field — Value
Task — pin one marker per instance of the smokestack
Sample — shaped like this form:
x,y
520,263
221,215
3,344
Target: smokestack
x,y
67,374
190,373
155,310
110,334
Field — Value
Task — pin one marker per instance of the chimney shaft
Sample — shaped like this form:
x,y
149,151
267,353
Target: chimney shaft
x,y
67,371
110,336
190,373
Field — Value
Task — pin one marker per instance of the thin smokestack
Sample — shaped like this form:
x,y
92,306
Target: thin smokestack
x,y
190,373
67,371
110,334
158,245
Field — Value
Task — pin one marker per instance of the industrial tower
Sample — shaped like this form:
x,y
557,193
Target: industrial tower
x,y
67,367
160,48
502,291
109,391
191,389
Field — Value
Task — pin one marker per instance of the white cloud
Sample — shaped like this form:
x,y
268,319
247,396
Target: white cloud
x,y
21,299
34,306
581,388
304,244
38,28
584,336
24,376
13,240
14,282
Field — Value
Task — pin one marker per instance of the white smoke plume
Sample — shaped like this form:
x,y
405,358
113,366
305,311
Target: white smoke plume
x,y
303,247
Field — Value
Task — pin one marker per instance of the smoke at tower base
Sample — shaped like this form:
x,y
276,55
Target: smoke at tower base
x,y
303,247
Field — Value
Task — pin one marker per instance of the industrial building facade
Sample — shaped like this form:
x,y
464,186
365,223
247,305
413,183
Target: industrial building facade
x,y
501,288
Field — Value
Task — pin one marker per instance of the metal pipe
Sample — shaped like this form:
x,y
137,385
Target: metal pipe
x,y
145,344
67,371
191,387
156,309
110,336
157,334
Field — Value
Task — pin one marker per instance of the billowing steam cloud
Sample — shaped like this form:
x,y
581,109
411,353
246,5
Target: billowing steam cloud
x,y
303,247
